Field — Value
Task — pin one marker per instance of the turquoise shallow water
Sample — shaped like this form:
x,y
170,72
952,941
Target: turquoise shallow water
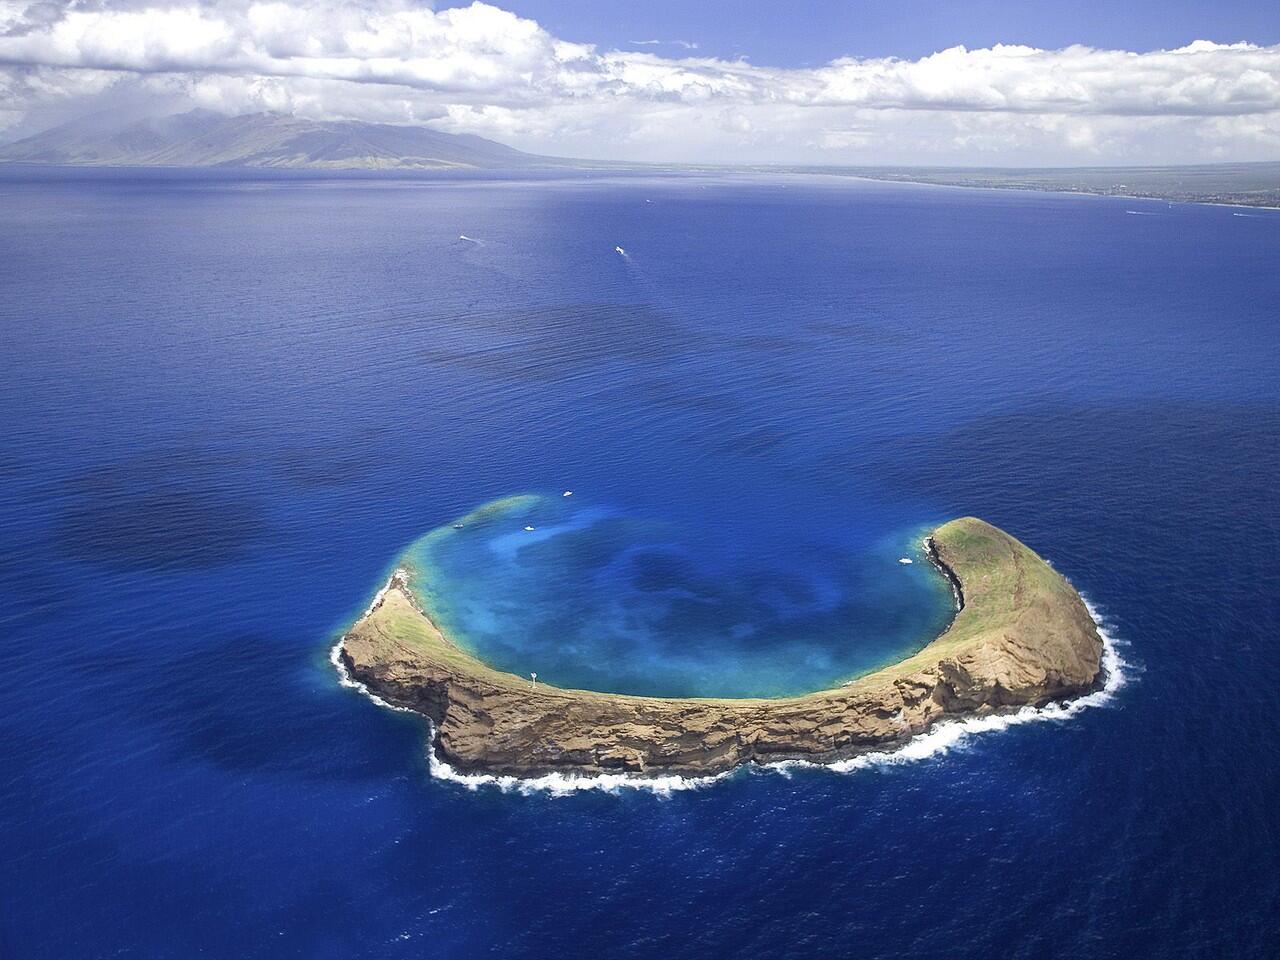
x,y
589,596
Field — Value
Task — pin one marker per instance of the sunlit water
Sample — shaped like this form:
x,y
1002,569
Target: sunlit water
x,y
232,405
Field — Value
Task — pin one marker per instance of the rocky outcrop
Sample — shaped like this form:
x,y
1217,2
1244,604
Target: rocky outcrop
x,y
1022,636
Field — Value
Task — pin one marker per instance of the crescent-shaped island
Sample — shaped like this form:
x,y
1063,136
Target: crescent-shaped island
x,y
1021,636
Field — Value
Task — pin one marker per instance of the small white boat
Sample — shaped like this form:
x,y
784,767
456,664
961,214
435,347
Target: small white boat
x,y
457,526
529,528
567,493
620,250
905,560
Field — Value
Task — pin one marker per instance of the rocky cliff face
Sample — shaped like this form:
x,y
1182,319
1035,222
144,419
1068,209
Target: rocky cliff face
x,y
1022,636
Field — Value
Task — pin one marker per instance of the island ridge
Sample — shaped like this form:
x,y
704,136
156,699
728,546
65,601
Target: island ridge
x,y
1021,636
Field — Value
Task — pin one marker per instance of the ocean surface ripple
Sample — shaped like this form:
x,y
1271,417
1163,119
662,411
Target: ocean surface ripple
x,y
232,404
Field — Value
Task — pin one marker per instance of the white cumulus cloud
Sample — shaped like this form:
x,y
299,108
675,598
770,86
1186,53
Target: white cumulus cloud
x,y
485,70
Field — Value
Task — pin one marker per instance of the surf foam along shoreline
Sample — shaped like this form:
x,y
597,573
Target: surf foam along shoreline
x,y
1022,638
942,739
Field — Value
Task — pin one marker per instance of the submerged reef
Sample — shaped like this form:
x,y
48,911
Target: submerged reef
x,y
1021,636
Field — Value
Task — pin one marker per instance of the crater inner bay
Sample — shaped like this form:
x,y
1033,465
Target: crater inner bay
x,y
582,592
588,594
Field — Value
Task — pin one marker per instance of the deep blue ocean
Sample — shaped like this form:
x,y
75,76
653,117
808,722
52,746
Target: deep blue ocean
x,y
230,405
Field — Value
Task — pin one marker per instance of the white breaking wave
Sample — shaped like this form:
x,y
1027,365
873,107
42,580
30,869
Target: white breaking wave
x,y
335,655
951,734
940,739
345,679
556,784
562,785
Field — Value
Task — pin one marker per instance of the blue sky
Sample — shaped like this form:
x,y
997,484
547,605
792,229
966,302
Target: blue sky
x,y
814,32
920,82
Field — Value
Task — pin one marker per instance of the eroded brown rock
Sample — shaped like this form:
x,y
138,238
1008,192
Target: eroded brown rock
x,y
1023,636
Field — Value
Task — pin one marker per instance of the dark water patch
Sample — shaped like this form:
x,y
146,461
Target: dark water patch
x,y
323,467
166,528
555,343
678,394
664,571
247,704
12,467
863,332
752,443
768,343
180,508
168,466
528,361
26,573
624,327
1078,456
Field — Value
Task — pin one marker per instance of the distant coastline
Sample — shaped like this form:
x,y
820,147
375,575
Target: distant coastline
x,y
1021,636
1220,184
204,140
1263,198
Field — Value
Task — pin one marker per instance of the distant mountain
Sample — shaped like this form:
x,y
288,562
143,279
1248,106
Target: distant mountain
x,y
202,138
